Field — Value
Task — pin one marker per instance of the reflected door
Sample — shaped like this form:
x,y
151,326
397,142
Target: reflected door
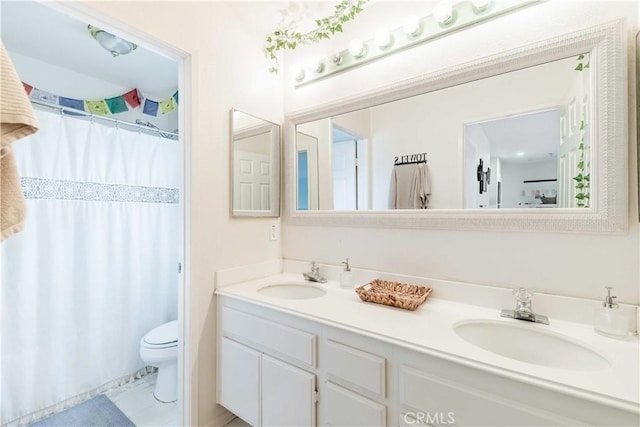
x,y
307,160
252,181
345,183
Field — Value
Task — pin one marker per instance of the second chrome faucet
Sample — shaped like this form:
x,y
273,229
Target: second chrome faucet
x,y
523,309
314,274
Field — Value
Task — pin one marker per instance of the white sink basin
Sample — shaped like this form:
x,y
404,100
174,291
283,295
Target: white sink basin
x,y
292,290
527,344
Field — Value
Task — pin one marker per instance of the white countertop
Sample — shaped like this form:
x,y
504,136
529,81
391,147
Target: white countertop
x,y
429,329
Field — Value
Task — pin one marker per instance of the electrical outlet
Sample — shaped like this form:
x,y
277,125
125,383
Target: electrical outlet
x,y
274,231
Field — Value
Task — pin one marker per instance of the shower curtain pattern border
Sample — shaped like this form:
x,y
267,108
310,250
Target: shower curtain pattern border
x,y
40,188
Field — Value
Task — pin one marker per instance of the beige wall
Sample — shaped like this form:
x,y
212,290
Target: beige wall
x,y
229,70
568,264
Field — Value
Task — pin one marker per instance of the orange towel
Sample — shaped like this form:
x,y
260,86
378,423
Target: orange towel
x,y
17,120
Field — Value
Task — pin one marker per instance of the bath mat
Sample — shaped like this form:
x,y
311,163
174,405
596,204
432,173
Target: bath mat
x,y
96,412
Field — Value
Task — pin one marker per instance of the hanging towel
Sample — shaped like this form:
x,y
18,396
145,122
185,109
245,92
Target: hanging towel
x,y
424,186
410,187
17,120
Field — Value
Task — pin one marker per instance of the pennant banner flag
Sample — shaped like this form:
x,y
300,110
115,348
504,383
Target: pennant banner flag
x,y
167,106
115,105
27,88
150,107
132,98
43,96
98,107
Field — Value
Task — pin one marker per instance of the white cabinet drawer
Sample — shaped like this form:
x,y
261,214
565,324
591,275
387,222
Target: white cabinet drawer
x,y
346,408
356,367
424,395
276,339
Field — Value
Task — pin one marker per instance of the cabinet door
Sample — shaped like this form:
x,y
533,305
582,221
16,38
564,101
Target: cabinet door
x,y
240,380
288,395
346,408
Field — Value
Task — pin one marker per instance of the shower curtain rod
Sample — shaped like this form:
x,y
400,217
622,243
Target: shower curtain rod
x,y
161,132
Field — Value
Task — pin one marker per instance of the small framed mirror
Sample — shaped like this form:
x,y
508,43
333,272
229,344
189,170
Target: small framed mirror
x,y
255,166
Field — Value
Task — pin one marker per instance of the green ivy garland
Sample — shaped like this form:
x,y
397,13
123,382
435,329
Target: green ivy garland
x,y
583,179
281,39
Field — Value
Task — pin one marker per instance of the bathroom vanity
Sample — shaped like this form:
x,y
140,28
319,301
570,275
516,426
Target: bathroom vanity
x,y
292,356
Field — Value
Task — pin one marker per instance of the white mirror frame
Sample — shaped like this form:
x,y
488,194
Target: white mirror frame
x,y
608,211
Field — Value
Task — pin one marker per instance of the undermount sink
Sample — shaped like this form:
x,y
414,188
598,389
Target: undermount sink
x,y
526,344
292,290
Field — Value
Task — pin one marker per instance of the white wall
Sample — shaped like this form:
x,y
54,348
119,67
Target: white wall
x,y
434,123
568,264
515,173
71,84
229,69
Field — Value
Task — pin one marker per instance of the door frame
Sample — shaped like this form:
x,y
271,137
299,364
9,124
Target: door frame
x,y
186,400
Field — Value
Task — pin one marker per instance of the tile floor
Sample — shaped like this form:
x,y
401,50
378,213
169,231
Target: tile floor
x,y
138,404
237,422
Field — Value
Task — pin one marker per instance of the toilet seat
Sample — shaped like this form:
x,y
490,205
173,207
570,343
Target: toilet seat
x,y
164,336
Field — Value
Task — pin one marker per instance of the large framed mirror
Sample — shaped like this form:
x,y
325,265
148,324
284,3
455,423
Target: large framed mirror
x,y
530,139
255,166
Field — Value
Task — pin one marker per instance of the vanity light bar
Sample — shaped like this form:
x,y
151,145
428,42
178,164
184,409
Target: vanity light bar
x,y
445,19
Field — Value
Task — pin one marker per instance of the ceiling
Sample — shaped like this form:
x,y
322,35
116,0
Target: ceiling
x,y
33,29
536,135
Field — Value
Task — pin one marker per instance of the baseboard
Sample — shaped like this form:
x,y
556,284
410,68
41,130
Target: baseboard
x,y
222,419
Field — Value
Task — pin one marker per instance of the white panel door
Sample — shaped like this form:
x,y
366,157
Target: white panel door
x,y
308,190
345,194
288,395
240,380
252,178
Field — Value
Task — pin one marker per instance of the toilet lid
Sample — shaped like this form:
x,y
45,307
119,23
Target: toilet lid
x,y
163,334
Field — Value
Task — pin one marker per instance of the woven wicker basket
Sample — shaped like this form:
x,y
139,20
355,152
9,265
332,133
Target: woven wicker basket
x,y
395,294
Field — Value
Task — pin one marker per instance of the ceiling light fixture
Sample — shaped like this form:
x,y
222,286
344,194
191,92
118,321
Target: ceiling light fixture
x,y
480,5
296,72
114,44
443,13
356,48
315,65
383,38
412,26
447,16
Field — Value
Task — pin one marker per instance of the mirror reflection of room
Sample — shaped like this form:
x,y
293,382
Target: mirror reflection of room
x,y
254,144
529,127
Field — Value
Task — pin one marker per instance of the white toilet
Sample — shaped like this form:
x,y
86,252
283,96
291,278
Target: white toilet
x,y
159,348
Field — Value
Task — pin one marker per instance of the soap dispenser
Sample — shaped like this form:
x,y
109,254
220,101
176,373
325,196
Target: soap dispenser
x,y
346,278
610,320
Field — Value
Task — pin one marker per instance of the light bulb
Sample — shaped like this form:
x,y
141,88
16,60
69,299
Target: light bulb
x,y
296,72
411,25
337,59
315,65
443,12
356,48
480,4
383,38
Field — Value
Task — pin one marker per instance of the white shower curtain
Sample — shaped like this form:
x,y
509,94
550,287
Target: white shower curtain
x,y
96,266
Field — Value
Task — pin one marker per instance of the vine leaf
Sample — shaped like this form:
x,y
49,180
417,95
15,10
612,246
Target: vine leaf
x,y
345,11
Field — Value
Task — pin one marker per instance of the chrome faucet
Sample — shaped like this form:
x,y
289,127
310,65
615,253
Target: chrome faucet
x,y
523,309
314,274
